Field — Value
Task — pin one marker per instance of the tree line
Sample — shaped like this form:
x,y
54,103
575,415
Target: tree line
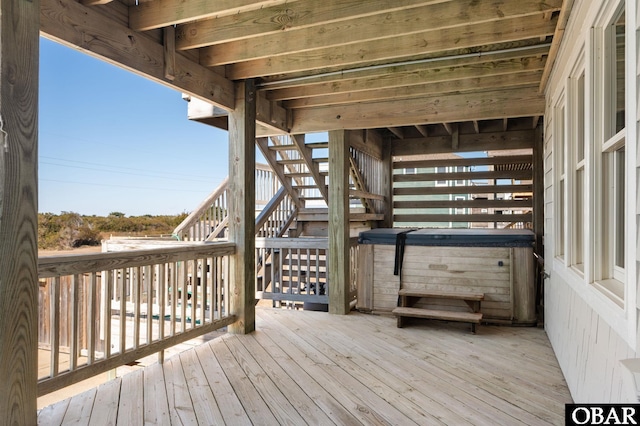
x,y
70,230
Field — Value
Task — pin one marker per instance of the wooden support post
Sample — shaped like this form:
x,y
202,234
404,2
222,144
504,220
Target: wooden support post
x,y
538,189
387,182
242,200
339,222
19,41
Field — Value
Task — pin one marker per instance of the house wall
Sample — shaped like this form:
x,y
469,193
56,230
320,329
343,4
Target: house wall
x,y
590,331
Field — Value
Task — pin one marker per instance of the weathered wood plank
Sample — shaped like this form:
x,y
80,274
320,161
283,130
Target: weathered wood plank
x,y
105,406
471,35
242,187
53,414
516,102
156,406
463,217
205,406
228,403
181,409
150,15
464,204
480,161
19,26
255,407
338,215
80,407
131,399
484,175
275,19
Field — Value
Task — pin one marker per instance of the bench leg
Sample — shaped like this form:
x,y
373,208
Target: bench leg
x,y
473,328
401,321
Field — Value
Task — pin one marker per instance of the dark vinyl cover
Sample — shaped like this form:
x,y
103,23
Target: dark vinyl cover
x,y
451,237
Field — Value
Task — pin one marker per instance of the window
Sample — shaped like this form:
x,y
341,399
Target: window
x,y
610,205
410,171
559,155
578,161
441,170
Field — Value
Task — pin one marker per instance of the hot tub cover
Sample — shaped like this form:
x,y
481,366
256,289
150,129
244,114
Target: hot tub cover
x,y
451,237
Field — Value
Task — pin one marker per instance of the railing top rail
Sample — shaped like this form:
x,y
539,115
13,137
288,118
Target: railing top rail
x,y
206,204
53,266
293,243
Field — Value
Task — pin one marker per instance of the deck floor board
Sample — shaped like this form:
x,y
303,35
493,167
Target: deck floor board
x,y
314,368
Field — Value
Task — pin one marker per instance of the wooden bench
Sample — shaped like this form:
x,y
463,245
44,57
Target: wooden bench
x,y
409,297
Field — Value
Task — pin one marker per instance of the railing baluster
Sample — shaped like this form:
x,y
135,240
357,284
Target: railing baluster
x,y
183,302
122,281
174,297
108,295
75,326
55,326
149,278
91,325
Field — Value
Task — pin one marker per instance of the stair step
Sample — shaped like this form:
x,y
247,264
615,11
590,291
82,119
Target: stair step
x,y
288,147
306,186
321,160
299,174
317,145
471,317
440,294
291,161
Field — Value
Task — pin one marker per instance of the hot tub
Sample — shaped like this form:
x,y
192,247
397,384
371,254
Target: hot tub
x,y
496,262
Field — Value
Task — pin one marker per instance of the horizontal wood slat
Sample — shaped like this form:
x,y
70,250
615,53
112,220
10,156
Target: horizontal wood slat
x,y
463,204
463,217
482,161
506,174
473,189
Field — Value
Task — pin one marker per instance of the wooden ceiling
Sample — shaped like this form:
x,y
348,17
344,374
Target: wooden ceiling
x,y
397,65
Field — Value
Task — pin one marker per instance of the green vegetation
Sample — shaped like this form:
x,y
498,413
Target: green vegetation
x,y
70,230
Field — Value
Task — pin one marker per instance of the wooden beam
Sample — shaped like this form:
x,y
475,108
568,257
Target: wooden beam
x,y
520,102
278,19
430,21
339,269
169,42
505,124
94,2
509,80
485,60
448,128
468,142
148,15
19,41
513,29
455,137
397,131
88,29
242,188
422,129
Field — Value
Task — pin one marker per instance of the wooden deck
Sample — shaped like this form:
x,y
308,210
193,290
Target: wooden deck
x,y
303,367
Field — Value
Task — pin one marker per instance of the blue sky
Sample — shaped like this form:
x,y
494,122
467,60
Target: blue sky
x,y
110,141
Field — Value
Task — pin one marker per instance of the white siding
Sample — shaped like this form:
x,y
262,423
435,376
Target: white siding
x,y
589,334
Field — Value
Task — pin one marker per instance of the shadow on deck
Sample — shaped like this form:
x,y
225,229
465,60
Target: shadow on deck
x,y
303,367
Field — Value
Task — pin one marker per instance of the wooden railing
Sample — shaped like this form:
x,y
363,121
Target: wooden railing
x,y
295,270
100,311
292,270
276,217
366,176
209,220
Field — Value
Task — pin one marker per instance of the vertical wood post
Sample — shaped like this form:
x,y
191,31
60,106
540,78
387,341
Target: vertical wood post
x,y
242,207
338,222
387,182
19,51
538,189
